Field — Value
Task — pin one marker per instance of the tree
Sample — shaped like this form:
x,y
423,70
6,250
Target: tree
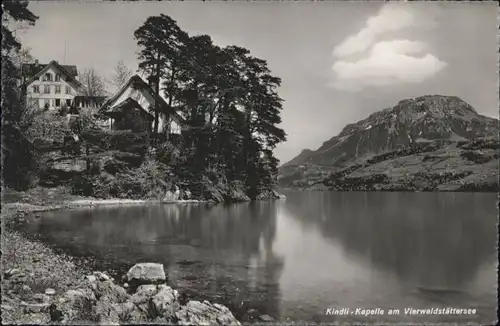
x,y
122,74
93,84
17,151
23,56
161,42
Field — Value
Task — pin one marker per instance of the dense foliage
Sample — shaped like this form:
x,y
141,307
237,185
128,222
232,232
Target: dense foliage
x,y
228,101
18,156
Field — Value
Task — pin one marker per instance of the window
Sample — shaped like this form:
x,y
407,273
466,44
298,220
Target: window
x,y
58,103
46,104
58,89
46,89
58,77
47,77
68,90
36,89
68,102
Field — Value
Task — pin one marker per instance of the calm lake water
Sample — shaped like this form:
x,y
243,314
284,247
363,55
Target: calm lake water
x,y
293,259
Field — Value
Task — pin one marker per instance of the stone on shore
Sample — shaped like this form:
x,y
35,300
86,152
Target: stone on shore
x,y
50,291
156,301
266,318
35,307
146,273
205,313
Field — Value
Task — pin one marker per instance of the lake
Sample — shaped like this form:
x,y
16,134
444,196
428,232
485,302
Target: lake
x,y
294,259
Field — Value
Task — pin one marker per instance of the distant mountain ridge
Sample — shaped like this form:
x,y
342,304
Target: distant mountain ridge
x,y
440,126
420,119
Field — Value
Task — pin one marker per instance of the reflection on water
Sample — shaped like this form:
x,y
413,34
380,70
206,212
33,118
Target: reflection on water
x,y
426,239
296,258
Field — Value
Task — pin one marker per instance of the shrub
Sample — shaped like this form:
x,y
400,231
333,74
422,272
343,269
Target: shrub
x,y
150,181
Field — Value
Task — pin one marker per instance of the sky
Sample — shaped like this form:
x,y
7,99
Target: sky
x,y
339,61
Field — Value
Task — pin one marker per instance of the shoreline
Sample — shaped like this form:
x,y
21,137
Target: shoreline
x,y
43,266
31,267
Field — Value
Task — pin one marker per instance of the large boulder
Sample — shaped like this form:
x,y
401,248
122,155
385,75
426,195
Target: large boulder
x,y
153,302
93,301
205,313
146,273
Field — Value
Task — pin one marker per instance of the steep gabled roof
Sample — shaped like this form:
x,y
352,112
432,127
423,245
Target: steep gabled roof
x,y
31,71
138,83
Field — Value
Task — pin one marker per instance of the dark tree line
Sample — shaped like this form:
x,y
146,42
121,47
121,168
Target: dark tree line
x,y
228,101
18,156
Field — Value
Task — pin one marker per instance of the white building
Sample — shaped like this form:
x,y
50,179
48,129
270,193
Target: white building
x,y
51,85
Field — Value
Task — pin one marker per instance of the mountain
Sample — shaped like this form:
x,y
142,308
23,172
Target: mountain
x,y
411,127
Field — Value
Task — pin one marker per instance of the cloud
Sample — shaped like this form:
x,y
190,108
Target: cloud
x,y
391,17
389,63
386,62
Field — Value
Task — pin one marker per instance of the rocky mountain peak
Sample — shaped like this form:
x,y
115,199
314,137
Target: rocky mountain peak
x,y
421,119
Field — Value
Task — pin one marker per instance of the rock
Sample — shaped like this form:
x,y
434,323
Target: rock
x,y
19,277
110,291
94,300
35,307
99,300
143,293
251,315
150,302
146,273
156,301
128,312
266,318
101,276
205,313
39,297
73,305
125,285
107,313
50,291
11,272
165,302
